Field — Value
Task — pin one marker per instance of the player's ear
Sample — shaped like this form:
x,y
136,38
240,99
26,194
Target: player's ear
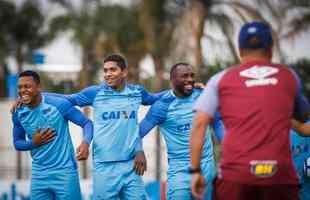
x,y
39,87
241,52
125,72
270,52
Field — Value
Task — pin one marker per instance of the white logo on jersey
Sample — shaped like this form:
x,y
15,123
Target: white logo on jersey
x,y
259,76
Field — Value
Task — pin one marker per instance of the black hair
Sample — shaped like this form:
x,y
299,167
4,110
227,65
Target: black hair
x,y
120,60
35,76
175,66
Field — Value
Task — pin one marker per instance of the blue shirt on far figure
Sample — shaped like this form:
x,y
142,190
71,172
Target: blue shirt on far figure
x,y
174,117
53,112
116,130
300,147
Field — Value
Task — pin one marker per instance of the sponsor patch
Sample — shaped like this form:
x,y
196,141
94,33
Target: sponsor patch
x,y
263,168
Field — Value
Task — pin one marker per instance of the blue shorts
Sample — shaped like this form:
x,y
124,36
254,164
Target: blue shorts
x,y
299,159
55,185
304,192
179,181
117,180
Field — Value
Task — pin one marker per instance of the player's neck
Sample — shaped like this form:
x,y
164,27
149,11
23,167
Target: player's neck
x,y
36,101
120,87
256,55
179,94
256,58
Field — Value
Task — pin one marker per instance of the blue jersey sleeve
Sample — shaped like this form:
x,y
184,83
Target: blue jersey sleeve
x,y
19,136
301,107
82,98
55,94
150,98
85,97
72,114
76,116
218,127
155,116
139,146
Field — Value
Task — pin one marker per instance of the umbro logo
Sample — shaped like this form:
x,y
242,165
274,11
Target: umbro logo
x,y
260,76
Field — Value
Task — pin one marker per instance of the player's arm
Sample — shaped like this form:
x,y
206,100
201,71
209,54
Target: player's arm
x,y
218,127
18,102
301,107
85,97
150,98
76,116
19,136
205,107
59,95
200,123
155,116
140,164
39,138
302,129
145,127
79,99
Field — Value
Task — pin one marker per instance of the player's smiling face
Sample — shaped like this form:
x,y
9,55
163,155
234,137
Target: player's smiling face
x,y
113,75
28,90
183,80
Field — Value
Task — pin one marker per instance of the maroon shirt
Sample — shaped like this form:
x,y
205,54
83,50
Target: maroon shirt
x,y
256,102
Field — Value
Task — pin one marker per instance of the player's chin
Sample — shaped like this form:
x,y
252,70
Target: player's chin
x,y
111,84
188,92
26,101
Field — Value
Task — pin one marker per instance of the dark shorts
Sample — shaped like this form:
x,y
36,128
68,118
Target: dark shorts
x,y
228,190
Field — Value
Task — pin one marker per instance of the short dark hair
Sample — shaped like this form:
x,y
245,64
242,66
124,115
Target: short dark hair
x,y
175,66
35,76
120,60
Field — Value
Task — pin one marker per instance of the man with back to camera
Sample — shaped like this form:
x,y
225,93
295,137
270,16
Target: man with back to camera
x,y
256,100
41,126
300,146
173,114
118,156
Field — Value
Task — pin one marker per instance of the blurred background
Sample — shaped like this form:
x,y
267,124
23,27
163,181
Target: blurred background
x,y
66,40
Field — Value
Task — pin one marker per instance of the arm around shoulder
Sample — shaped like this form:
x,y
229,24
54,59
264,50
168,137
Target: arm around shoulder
x,y
302,129
19,136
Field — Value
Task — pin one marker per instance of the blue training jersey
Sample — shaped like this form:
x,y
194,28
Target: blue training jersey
x,y
174,116
300,147
116,136
218,127
300,150
52,112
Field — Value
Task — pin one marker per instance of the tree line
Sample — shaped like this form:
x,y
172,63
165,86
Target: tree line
x,y
167,30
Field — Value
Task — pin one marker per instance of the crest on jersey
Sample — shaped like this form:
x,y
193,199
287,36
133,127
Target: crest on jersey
x,y
260,76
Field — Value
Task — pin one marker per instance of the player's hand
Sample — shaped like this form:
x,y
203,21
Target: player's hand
x,y
43,137
18,103
82,152
198,185
199,85
140,163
